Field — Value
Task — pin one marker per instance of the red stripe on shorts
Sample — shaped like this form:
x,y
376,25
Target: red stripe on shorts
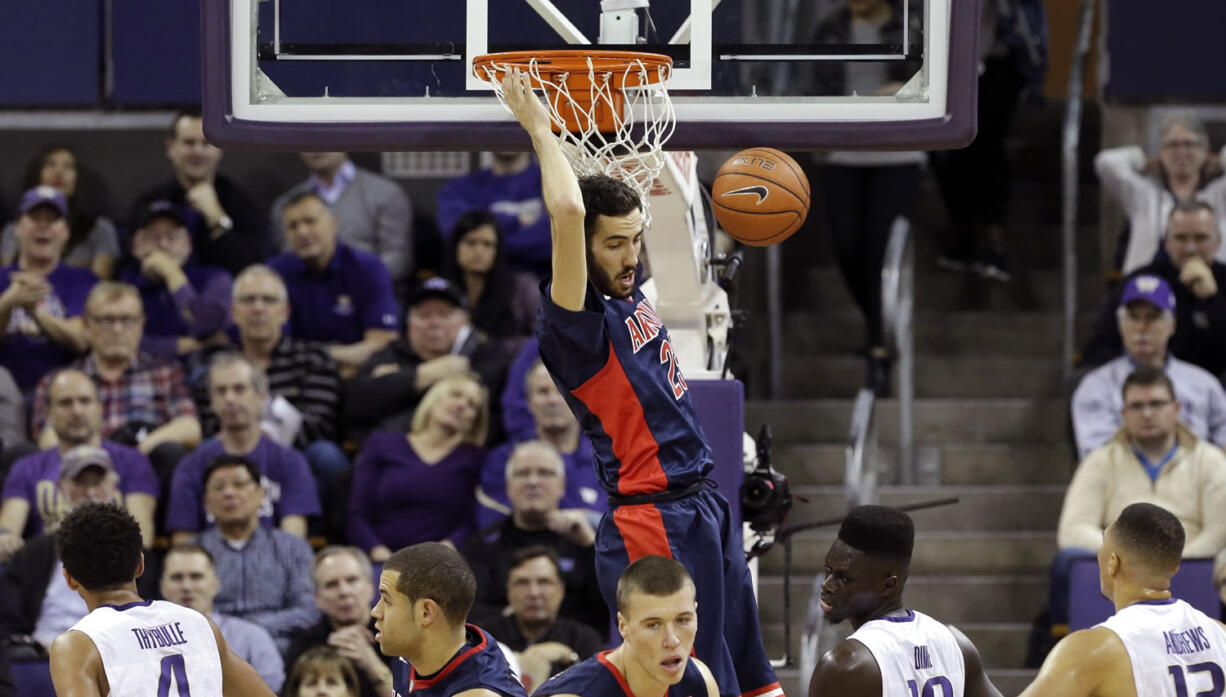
x,y
642,529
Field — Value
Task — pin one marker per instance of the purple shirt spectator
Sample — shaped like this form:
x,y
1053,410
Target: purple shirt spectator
x,y
398,500
338,305
199,309
35,478
516,418
284,472
516,200
583,489
25,351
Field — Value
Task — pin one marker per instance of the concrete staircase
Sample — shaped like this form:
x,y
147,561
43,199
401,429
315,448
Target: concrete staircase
x,y
991,416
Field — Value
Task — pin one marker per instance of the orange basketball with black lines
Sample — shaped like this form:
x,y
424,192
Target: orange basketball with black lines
x,y
760,196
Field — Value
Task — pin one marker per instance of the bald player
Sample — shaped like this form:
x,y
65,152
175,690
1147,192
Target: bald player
x,y
893,651
425,593
1154,645
657,617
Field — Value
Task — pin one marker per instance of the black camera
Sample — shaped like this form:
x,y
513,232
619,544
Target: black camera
x,y
765,496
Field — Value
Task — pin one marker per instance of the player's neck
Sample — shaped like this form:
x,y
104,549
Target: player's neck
x,y
889,608
1125,593
118,597
640,682
436,652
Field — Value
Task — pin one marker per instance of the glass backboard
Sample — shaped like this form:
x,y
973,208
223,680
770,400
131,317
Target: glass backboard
x,y
397,74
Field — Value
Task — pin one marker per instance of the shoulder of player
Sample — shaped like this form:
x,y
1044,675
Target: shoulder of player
x,y
1094,648
707,677
848,668
970,653
73,644
74,659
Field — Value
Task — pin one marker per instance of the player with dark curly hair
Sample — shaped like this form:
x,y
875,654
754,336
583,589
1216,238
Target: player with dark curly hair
x,y
125,646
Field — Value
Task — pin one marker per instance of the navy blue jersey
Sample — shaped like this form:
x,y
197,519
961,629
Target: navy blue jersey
x,y
597,677
617,370
479,664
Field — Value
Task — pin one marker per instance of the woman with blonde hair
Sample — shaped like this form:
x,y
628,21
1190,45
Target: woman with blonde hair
x,y
322,672
419,487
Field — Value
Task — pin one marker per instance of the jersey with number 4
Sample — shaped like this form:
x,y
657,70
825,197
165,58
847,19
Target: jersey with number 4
x,y
155,649
1175,649
617,369
917,656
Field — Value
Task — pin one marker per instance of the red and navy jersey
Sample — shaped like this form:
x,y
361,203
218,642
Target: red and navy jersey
x,y
478,664
598,677
617,369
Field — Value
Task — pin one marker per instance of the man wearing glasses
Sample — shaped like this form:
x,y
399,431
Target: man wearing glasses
x,y
1146,319
145,400
1152,458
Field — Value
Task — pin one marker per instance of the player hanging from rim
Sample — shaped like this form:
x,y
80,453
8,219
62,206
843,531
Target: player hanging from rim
x,y
425,593
125,646
893,651
610,354
657,618
1154,645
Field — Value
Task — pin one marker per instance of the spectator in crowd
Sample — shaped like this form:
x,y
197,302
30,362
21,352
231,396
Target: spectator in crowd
x,y
185,301
14,431
322,672
533,629
974,181
189,579
1190,269
420,487
264,572
36,604
145,400
867,191
344,589
510,188
238,391
304,385
439,341
1153,458
227,229
536,480
41,299
373,212
1149,187
7,688
504,302
92,240
517,418
338,295
1146,321
32,496
557,426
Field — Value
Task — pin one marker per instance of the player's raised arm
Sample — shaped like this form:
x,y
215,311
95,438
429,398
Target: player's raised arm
x,y
847,670
238,678
76,666
560,188
977,683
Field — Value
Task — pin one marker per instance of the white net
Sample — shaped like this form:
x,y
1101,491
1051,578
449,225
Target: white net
x,y
633,151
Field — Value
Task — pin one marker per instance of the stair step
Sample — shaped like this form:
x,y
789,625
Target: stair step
x,y
941,553
987,508
936,420
822,464
955,599
806,375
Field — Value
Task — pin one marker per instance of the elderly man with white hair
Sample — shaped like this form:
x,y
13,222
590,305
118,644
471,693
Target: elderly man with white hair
x,y
1146,317
536,481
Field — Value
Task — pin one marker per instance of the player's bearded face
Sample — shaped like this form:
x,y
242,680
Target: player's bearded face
x,y
613,253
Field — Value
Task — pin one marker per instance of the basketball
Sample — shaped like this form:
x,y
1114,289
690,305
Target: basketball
x,y
760,196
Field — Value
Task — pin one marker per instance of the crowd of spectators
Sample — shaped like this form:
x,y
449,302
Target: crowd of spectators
x,y
251,383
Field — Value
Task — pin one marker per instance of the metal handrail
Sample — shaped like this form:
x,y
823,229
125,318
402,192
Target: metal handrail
x,y
1068,173
897,307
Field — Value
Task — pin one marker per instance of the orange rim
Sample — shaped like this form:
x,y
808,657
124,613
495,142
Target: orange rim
x,y
571,68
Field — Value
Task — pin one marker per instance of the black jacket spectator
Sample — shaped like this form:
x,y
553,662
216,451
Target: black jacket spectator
x,y
1200,324
317,635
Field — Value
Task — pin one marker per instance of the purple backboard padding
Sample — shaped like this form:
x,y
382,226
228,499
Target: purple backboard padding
x,y
1087,606
955,129
155,52
51,52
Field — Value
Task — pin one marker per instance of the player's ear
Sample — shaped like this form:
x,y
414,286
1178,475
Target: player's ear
x,y
890,585
73,584
1113,564
622,624
427,612
140,566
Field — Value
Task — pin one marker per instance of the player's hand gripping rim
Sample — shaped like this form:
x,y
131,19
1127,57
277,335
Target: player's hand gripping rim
x,y
524,104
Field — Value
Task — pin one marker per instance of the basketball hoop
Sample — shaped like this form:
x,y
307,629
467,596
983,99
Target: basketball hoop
x,y
610,109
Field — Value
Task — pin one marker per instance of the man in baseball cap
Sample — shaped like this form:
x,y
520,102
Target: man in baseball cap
x,y
439,341
1146,318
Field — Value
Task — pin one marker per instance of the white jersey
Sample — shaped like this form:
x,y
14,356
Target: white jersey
x,y
155,649
1175,649
917,656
